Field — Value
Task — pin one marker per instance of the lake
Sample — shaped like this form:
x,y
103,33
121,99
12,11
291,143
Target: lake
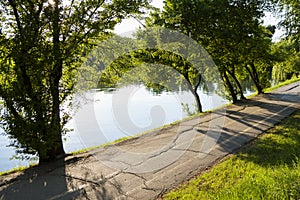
x,y
105,116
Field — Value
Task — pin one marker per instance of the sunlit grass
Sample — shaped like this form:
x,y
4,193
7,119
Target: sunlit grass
x,y
282,84
17,169
268,169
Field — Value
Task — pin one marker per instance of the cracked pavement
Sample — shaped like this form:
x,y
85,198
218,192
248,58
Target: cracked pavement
x,y
147,166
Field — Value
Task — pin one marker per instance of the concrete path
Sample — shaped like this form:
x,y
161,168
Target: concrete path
x,y
147,166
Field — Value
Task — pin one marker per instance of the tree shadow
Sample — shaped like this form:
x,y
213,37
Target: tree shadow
x,y
40,182
280,148
289,98
274,151
232,139
51,181
279,110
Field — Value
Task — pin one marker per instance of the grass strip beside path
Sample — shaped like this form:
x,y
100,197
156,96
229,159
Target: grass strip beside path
x,y
281,84
268,169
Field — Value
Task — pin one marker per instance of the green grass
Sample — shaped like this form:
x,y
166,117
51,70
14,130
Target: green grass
x,y
268,169
17,169
282,84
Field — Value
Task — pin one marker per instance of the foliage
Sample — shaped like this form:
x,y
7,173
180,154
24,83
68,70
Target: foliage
x,y
288,60
43,42
157,77
291,19
41,45
224,28
270,169
288,48
161,59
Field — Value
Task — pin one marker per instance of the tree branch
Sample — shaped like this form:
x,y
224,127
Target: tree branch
x,y
16,14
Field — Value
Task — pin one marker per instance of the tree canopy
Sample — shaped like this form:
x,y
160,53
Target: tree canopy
x,y
42,42
230,31
188,65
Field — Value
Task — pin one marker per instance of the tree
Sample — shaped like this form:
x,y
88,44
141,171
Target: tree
x,y
42,43
184,58
287,60
257,58
241,44
291,20
197,19
221,27
287,50
156,56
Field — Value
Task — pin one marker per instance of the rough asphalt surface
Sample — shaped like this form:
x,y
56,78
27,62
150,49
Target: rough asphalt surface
x,y
147,166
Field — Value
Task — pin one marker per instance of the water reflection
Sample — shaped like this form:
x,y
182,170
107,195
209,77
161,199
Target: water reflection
x,y
108,115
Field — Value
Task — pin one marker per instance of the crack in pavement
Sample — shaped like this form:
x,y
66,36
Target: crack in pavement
x,y
193,151
118,187
175,142
146,187
160,152
101,181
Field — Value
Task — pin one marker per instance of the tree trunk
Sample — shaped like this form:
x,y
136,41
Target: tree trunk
x,y
55,151
257,82
56,143
194,91
198,102
255,77
238,84
230,87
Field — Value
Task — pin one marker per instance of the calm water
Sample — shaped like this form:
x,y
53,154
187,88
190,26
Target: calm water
x,y
107,116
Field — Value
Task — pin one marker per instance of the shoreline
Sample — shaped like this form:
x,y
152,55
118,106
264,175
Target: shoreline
x,y
123,140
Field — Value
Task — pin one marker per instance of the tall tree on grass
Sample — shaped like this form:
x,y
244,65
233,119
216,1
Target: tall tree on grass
x,y
41,45
257,57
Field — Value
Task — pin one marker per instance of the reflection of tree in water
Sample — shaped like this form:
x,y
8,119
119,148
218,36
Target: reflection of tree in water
x,y
164,71
156,78
160,59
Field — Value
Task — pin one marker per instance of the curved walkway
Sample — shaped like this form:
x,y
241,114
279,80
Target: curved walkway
x,y
145,167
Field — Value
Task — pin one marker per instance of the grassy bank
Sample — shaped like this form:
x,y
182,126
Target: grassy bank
x,y
287,82
17,169
268,169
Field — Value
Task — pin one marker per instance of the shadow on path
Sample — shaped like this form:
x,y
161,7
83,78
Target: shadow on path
x,y
282,148
249,124
50,181
41,182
